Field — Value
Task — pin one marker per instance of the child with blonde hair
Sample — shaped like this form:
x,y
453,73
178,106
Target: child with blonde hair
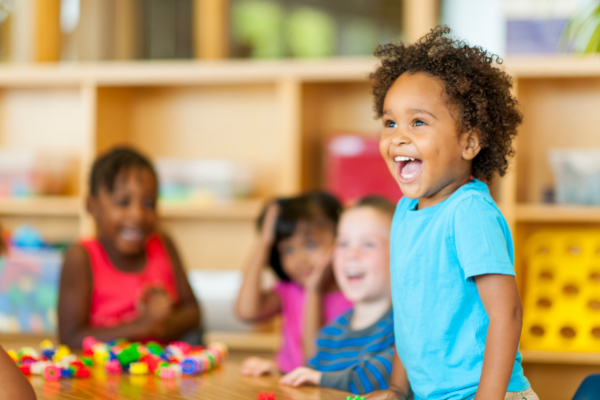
x,y
355,352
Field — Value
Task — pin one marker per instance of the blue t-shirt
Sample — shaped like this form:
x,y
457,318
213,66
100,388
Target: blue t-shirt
x,y
440,323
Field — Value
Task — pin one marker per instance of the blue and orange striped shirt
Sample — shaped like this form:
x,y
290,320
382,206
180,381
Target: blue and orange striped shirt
x,y
356,361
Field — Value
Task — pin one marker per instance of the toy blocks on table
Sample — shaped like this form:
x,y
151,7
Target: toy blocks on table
x,y
13,355
52,373
562,291
138,368
113,367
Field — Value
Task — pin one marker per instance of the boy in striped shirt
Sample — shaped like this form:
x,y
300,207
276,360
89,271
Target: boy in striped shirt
x,y
355,352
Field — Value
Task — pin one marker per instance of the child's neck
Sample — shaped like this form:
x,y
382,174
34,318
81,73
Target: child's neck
x,y
124,262
366,313
444,193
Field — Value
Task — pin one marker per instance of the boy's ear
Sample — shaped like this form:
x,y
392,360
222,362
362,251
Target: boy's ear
x,y
472,143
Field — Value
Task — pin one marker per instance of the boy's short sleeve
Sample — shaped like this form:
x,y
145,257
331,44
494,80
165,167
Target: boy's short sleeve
x,y
482,238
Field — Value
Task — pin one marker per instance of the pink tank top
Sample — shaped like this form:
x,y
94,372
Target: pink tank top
x,y
290,355
115,293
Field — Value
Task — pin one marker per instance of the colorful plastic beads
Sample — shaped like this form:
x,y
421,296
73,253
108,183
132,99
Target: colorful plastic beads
x,y
53,364
355,398
190,366
138,368
52,373
113,367
266,396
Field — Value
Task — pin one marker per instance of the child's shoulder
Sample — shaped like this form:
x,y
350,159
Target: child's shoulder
x,y
474,199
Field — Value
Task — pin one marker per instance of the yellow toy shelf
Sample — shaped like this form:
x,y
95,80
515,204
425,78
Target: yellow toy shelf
x,y
562,291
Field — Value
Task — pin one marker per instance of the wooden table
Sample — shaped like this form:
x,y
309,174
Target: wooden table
x,y
224,383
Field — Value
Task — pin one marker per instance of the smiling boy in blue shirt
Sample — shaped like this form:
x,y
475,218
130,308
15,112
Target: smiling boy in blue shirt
x,y
448,122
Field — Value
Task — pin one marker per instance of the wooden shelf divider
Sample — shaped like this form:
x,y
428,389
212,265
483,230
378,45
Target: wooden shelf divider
x,y
558,213
558,357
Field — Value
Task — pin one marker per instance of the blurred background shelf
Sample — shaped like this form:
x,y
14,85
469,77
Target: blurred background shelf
x,y
236,209
556,357
65,206
245,341
203,99
558,213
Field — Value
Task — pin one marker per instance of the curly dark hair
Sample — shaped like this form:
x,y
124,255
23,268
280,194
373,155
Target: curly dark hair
x,y
109,165
479,90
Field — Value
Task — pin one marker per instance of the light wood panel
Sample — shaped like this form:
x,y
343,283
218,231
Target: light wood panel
x,y
216,244
210,29
42,119
346,69
41,206
558,113
126,21
242,123
113,122
54,228
289,94
47,30
328,110
556,213
419,17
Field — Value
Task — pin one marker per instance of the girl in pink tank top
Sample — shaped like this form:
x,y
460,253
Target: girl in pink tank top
x,y
128,282
296,241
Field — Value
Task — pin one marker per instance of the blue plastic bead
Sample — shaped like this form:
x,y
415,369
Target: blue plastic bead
x,y
48,353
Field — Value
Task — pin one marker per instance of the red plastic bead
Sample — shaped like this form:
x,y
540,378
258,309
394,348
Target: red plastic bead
x,y
25,369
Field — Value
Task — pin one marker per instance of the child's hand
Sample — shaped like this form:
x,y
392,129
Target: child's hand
x,y
156,305
388,394
302,376
322,272
267,233
256,366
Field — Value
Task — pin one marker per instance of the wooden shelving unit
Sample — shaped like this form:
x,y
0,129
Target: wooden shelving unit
x,y
560,358
550,213
277,115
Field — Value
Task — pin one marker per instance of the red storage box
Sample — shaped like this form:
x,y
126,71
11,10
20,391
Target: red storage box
x,y
354,168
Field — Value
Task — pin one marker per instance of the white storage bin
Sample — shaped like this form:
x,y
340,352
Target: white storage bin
x,y
217,292
577,175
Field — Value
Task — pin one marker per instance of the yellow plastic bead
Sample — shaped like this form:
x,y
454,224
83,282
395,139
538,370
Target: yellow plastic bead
x,y
46,344
61,352
13,355
138,368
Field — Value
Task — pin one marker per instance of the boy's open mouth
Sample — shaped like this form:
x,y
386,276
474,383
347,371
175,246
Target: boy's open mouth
x,y
407,168
355,276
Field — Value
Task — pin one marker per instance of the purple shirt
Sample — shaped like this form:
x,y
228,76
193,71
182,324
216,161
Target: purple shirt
x,y
291,294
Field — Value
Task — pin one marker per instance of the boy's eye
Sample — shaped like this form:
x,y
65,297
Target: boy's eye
x,y
342,244
390,124
419,122
369,244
